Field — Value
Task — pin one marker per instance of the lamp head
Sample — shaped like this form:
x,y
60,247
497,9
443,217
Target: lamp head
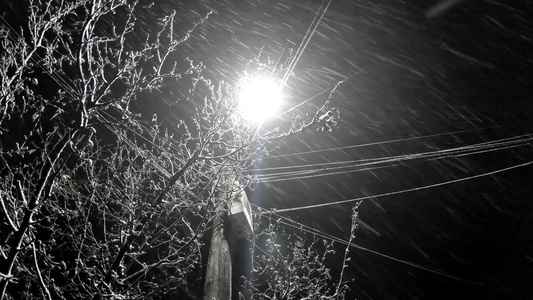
x,y
259,98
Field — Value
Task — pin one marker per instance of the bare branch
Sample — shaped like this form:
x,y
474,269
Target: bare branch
x,y
14,228
44,286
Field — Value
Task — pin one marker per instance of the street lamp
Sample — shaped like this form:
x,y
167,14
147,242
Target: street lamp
x,y
259,98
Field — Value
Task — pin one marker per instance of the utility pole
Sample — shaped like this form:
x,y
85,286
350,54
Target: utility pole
x,y
218,273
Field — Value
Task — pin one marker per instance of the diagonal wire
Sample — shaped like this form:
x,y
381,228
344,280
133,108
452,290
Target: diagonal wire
x,y
305,41
343,167
425,187
302,227
500,142
380,143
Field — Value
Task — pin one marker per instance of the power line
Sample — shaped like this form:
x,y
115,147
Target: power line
x,y
308,35
299,226
500,142
425,187
379,143
345,167
305,101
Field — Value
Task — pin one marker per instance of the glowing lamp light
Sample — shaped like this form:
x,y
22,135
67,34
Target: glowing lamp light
x,y
259,99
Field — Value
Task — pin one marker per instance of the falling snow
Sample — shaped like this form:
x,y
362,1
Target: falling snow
x,y
434,140
434,136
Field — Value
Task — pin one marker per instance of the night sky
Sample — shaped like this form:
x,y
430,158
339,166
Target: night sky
x,y
434,137
433,103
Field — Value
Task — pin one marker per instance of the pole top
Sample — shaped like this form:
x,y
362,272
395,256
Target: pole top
x,y
240,215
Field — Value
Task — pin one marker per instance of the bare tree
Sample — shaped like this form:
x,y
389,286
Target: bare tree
x,y
289,265
99,199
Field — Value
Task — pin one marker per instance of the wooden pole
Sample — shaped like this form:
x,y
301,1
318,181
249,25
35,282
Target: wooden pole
x,y
239,215
218,273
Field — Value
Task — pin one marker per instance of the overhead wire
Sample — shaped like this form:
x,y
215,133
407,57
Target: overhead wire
x,y
304,228
63,82
301,48
292,34
282,176
501,142
377,143
332,168
305,41
309,99
424,187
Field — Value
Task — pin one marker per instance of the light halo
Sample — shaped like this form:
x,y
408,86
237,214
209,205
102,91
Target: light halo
x,y
259,98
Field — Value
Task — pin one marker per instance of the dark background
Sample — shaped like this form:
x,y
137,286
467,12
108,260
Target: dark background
x,y
413,84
